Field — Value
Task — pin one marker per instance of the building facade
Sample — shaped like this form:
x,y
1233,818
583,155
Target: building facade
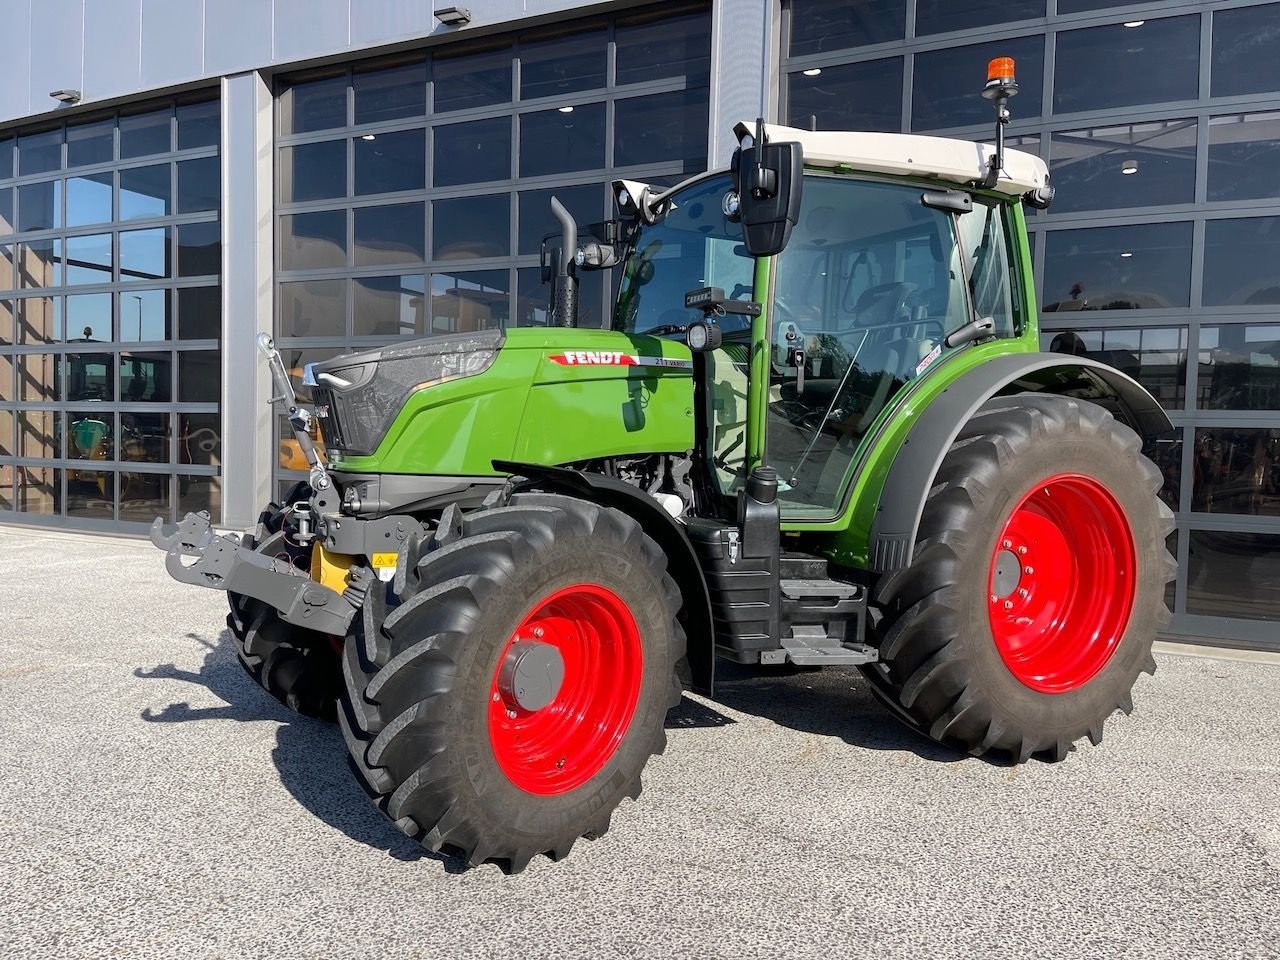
x,y
177,176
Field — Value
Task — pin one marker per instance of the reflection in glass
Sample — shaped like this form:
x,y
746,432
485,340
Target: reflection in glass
x,y
145,315
295,361
199,313
1131,165
854,96
7,444
144,192
1155,62
661,127
390,162
88,318
91,143
90,376
1154,356
310,241
89,199
466,78
1244,153
563,64
1166,453
390,93
533,296
1239,367
313,171
38,377
313,308
40,205
937,100
144,254
943,16
6,211
199,249
39,433
1240,265
564,139
197,494
198,188
199,376
314,105
200,439
40,264
143,496
1237,471
146,377
1244,51
1231,574
145,133
470,301
471,227
7,367
390,233
8,315
821,25
536,220
655,45
39,320
1143,266
91,494
39,490
198,124
90,434
472,152
89,259
40,152
389,306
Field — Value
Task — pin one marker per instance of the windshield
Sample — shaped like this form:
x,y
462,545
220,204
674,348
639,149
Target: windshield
x,y
694,246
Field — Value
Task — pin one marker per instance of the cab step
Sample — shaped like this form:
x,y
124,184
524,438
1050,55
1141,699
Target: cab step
x,y
811,647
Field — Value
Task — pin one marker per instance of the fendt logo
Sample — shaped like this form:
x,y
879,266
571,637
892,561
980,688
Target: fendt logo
x,y
595,358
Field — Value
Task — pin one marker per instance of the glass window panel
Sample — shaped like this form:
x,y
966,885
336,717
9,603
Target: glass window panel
x,y
40,264
196,494
146,377
144,254
472,152
1131,165
390,233
145,133
88,318
90,434
562,140
471,227
1144,266
656,45
144,192
8,310
1231,574
1237,470
90,376
470,301
1240,265
1081,6
661,127
6,487
313,171
1152,63
464,79
1244,154
389,306
942,94
854,96
6,211
1239,367
143,496
314,105
389,162
942,16
91,494
89,199
40,320
1166,453
8,446
89,259
390,93
198,124
200,439
295,361
39,152
8,364
1244,51
533,296
198,185
145,315
8,275
199,376
199,313
40,205
310,241
7,155
1154,356
39,490
563,64
39,433
313,308
536,219
91,143
199,249
821,25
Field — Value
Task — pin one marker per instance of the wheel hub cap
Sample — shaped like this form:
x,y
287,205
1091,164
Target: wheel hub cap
x,y
531,674
1007,574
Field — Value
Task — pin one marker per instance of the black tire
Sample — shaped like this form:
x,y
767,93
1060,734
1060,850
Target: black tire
x,y
298,667
419,667
940,669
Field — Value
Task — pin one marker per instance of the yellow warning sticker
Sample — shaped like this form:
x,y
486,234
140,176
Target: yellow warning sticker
x,y
381,561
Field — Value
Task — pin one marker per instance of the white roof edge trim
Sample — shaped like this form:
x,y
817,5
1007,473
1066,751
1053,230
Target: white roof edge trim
x,y
910,155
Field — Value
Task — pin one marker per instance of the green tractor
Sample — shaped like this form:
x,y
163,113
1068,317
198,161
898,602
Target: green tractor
x,y
819,432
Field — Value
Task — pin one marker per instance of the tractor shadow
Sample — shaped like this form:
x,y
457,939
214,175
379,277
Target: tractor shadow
x,y
309,754
830,702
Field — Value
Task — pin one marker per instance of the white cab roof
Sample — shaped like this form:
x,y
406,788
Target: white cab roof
x,y
902,154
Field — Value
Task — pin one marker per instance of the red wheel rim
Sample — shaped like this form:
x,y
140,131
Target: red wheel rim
x,y
564,744
1061,583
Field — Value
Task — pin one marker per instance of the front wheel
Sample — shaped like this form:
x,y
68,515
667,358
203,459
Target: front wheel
x,y
1037,584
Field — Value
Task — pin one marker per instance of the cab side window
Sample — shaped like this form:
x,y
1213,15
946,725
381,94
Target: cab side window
x,y
983,238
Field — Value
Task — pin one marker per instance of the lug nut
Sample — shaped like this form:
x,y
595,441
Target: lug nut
x,y
496,696
1007,544
1008,604
511,714
1028,570
537,632
1024,593
1022,550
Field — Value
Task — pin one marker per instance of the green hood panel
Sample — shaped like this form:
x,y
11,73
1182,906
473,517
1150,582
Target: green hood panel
x,y
552,396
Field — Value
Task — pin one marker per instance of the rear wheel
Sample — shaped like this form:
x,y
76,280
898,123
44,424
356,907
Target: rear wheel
x,y
504,693
1037,583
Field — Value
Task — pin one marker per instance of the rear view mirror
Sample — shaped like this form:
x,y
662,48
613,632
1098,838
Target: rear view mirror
x,y
769,180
